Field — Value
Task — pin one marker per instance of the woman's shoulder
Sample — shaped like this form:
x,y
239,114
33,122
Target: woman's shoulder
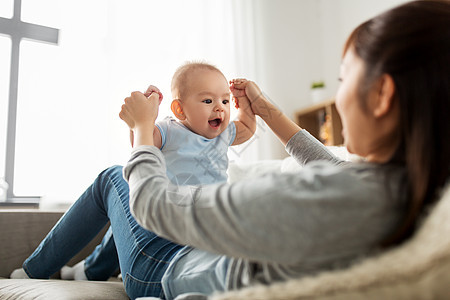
x,y
358,172
351,181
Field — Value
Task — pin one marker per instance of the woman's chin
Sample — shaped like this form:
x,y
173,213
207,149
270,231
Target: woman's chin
x,y
348,147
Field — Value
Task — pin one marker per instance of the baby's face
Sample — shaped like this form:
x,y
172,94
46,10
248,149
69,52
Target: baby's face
x,y
206,103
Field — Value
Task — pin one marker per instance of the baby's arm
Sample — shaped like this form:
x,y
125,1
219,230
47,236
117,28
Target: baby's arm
x,y
281,125
245,121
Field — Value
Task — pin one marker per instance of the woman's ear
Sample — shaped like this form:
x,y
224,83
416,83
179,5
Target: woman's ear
x,y
385,97
177,110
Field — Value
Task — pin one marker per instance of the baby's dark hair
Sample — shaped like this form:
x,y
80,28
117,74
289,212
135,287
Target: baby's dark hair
x,y
181,76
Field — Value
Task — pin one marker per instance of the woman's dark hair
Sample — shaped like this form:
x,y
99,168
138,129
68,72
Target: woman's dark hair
x,y
411,43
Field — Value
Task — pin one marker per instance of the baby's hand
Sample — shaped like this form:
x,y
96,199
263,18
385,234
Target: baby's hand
x,y
153,89
237,88
240,87
245,120
244,87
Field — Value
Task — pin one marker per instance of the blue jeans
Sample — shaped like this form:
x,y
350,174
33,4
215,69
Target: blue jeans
x,y
103,262
142,255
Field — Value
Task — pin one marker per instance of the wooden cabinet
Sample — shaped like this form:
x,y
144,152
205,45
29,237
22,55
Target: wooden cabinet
x,y
322,121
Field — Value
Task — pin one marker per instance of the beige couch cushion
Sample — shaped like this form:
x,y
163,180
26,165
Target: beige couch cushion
x,y
60,289
418,269
21,231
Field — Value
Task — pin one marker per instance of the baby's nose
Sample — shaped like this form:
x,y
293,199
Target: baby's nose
x,y
219,107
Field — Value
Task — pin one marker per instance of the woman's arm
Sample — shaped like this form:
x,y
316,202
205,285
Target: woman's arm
x,y
284,218
157,138
281,125
299,144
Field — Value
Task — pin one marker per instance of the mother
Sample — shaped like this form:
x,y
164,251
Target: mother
x,y
393,101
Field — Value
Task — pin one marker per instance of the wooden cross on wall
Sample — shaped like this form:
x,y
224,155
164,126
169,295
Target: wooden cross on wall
x,y
18,30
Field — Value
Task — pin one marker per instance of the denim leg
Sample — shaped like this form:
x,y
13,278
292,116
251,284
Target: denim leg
x,y
103,262
71,233
143,256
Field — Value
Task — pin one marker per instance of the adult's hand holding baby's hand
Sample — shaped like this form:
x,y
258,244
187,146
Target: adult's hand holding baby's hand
x,y
140,111
153,89
237,89
246,88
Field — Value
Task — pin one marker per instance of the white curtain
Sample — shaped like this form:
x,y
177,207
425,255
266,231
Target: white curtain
x,y
68,128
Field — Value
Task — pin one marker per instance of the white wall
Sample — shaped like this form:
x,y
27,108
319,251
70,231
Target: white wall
x,y
286,38
300,41
338,19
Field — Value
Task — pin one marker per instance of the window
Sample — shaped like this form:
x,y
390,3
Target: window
x,y
5,55
17,30
70,93
6,8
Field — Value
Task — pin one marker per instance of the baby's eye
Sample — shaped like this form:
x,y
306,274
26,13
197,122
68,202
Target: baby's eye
x,y
207,101
225,101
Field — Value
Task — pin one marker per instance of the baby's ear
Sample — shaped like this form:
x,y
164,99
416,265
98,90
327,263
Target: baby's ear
x,y
177,110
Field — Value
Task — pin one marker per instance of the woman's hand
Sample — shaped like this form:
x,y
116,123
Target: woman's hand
x,y
138,110
140,113
249,89
281,125
150,90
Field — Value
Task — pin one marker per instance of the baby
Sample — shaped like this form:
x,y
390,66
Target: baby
x,y
194,145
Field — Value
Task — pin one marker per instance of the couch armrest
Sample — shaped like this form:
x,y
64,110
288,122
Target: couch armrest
x,y
21,231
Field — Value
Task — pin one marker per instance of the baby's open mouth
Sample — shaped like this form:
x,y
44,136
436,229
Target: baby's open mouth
x,y
215,122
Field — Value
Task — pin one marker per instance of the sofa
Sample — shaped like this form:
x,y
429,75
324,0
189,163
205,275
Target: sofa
x,y
21,231
417,269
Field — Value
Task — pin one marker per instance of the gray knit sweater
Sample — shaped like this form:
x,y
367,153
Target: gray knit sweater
x,y
278,226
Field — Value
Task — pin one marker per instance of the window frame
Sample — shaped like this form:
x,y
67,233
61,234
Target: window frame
x,y
18,30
